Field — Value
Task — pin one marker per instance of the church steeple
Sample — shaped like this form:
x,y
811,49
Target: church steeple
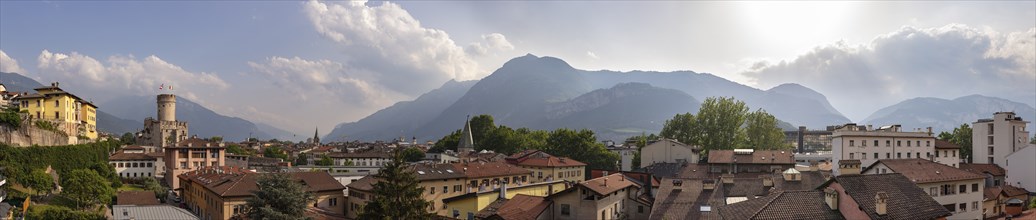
x,y
316,136
467,143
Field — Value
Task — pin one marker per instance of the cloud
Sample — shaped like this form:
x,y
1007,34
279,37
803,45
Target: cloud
x,y
317,78
122,73
10,65
948,62
490,43
390,45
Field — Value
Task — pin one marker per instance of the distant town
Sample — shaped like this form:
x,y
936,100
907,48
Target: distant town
x,y
55,164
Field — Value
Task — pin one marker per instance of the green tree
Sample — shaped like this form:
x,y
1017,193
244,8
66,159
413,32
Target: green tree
x,y
325,161
581,145
1033,141
127,138
239,150
39,181
413,154
216,139
961,136
303,159
151,184
762,132
397,195
682,127
275,152
448,142
719,121
279,197
85,186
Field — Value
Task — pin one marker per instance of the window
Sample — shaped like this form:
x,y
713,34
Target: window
x,y
963,189
57,115
431,190
640,209
918,143
852,143
990,159
990,125
875,144
864,155
974,205
954,153
875,155
456,213
963,207
927,143
863,142
899,155
990,140
918,155
990,148
888,155
974,187
899,143
851,156
149,164
456,188
933,191
56,103
888,143
566,210
908,143
947,189
445,189
333,201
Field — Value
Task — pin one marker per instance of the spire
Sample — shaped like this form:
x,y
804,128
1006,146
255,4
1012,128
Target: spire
x,y
467,143
316,135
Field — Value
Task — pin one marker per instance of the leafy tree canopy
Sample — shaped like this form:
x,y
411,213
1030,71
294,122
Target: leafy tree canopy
x,y
279,197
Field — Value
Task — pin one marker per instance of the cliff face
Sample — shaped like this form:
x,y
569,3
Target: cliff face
x,y
29,135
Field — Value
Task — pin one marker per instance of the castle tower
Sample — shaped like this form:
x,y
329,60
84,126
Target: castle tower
x,y
166,107
467,142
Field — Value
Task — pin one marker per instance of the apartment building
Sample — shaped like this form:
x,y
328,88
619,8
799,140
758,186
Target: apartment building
x,y
191,154
669,151
600,198
548,168
868,145
992,139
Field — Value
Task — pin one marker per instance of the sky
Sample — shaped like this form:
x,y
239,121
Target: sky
x,y
303,64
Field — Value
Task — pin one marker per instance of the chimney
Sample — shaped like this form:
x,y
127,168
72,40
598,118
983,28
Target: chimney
x,y
767,181
727,178
881,203
929,131
831,197
708,184
503,191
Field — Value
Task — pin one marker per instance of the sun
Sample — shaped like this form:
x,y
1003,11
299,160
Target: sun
x,y
794,21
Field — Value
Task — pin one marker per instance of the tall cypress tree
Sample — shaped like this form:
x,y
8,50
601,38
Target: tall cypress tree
x,y
396,195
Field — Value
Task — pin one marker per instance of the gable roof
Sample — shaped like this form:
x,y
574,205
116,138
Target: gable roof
x,y
925,171
137,198
436,171
489,169
679,202
608,184
538,158
1013,191
522,207
906,200
807,204
983,168
755,157
236,182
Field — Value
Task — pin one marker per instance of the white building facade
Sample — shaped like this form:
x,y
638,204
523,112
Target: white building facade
x,y
668,151
993,139
852,142
959,191
1021,168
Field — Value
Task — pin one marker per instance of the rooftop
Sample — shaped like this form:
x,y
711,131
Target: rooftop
x,y
925,171
680,199
906,200
235,182
983,168
807,204
150,212
137,198
519,207
489,169
608,184
941,144
538,158
752,157
436,171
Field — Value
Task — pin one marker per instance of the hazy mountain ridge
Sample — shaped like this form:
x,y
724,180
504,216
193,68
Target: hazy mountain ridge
x,y
547,93
944,115
403,117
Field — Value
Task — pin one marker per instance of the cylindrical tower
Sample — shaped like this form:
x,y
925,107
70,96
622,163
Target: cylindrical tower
x,y
167,107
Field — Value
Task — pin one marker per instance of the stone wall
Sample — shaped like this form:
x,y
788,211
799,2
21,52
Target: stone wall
x,y
28,135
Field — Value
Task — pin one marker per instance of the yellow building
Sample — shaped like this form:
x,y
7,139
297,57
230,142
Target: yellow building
x,y
66,111
467,205
222,192
546,167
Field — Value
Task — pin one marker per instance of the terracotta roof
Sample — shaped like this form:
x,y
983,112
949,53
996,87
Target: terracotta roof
x,y
679,202
807,180
992,193
661,170
235,182
925,171
756,157
367,154
521,207
133,147
906,200
120,156
538,158
745,187
941,144
608,184
982,168
363,184
489,169
637,177
137,198
808,204
436,171
1013,191
156,154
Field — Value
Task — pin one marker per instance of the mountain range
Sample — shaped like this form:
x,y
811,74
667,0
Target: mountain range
x,y
548,93
944,115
